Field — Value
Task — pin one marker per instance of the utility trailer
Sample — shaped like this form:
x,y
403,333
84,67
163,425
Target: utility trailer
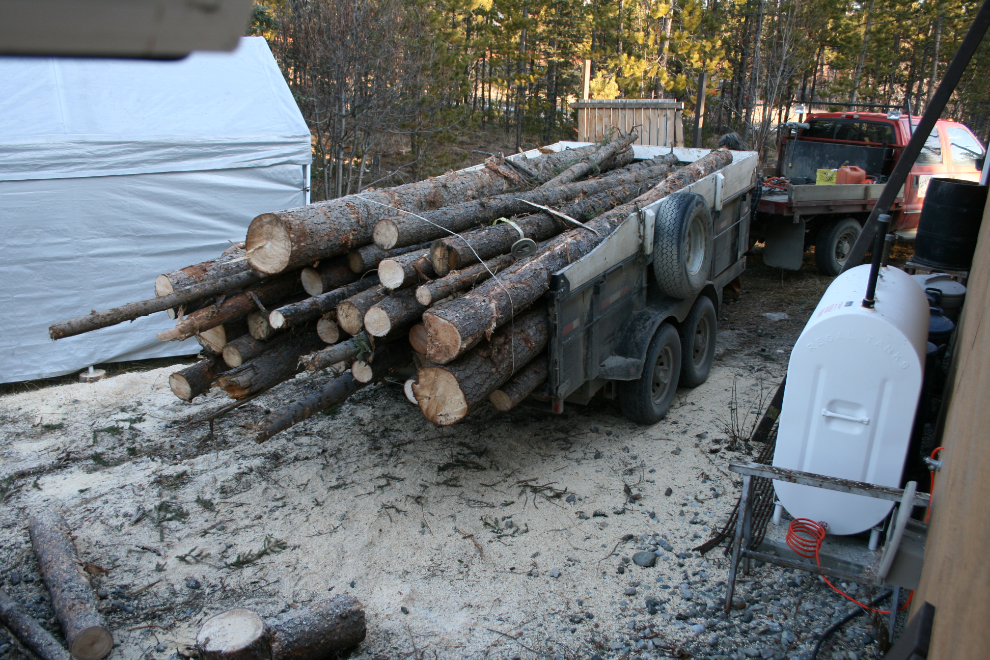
x,y
623,316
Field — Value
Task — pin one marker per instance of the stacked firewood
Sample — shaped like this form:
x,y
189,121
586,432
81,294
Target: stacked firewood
x,y
424,275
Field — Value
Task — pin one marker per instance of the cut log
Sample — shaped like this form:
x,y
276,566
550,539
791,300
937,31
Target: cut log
x,y
461,280
407,388
73,600
231,262
457,325
96,320
350,312
406,269
214,339
259,327
368,257
521,385
270,368
298,237
234,635
242,349
594,161
196,379
456,252
393,314
333,393
308,309
382,361
418,338
28,631
319,631
447,393
329,275
327,328
345,351
233,307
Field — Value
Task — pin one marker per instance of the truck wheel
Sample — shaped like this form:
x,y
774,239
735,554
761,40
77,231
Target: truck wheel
x,y
647,399
698,342
682,245
834,242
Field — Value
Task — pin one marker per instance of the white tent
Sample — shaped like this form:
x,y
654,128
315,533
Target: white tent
x,y
115,171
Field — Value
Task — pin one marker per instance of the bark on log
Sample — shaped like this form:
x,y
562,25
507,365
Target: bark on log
x,y
447,393
73,600
28,631
350,312
329,275
308,309
368,257
242,349
393,314
383,361
397,272
234,635
214,339
461,280
196,379
457,325
521,385
96,320
593,162
297,237
233,307
320,630
345,351
231,262
333,393
270,368
327,328
418,339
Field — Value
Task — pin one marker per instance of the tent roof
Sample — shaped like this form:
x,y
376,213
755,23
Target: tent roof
x,y
65,117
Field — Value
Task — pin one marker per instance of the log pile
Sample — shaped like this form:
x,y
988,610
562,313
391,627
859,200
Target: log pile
x,y
416,277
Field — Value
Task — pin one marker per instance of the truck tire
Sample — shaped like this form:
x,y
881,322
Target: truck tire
x,y
647,399
682,245
698,342
832,246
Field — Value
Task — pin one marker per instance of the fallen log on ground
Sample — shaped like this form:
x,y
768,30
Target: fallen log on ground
x,y
331,274
521,385
75,605
345,351
461,280
457,325
397,272
270,368
393,314
350,312
308,309
28,631
196,379
447,393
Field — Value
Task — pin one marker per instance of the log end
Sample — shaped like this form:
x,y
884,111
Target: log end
x,y
440,257
501,400
276,319
231,357
268,244
92,643
163,286
214,339
362,372
328,330
445,342
424,296
354,262
349,318
377,322
311,281
391,274
233,635
385,234
180,387
439,396
408,389
419,339
258,326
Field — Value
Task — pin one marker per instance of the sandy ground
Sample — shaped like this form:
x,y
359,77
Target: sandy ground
x,y
500,537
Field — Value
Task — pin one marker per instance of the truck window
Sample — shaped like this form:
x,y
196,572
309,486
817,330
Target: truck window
x,y
965,148
820,129
851,131
931,152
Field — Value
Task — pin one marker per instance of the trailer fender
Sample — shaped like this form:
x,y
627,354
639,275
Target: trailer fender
x,y
784,246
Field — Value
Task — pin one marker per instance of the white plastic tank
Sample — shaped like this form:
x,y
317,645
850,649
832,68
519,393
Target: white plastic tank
x,y
852,391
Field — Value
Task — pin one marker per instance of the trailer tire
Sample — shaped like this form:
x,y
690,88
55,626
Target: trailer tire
x,y
833,243
647,399
682,245
698,342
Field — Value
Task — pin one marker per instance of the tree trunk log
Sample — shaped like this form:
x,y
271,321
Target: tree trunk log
x,y
306,310
96,320
397,272
350,313
461,280
320,630
29,632
521,386
270,368
214,339
296,237
418,338
393,313
447,393
457,325
345,351
234,635
592,162
383,361
231,262
242,349
368,257
233,307
327,328
196,379
329,275
73,600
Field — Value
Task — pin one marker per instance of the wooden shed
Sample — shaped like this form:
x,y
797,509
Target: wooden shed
x,y
658,121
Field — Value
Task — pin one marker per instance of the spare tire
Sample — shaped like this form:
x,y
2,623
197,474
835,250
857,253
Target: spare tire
x,y
683,240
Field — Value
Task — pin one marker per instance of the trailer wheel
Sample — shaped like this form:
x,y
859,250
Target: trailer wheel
x,y
682,245
835,240
647,399
698,342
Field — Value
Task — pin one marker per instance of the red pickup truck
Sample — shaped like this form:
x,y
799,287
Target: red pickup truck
x,y
794,213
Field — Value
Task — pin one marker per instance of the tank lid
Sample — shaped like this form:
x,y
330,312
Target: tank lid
x,y
951,290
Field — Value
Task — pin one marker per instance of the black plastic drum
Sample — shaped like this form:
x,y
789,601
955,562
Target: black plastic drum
x,y
950,224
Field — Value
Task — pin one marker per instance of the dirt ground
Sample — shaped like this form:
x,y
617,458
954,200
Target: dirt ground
x,y
500,537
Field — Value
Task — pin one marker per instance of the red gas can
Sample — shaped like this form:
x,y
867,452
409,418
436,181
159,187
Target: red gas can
x,y
850,174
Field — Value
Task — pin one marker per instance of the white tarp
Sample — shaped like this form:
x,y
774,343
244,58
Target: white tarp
x,y
115,171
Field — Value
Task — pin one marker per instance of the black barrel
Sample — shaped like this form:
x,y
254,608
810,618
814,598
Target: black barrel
x,y
950,224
